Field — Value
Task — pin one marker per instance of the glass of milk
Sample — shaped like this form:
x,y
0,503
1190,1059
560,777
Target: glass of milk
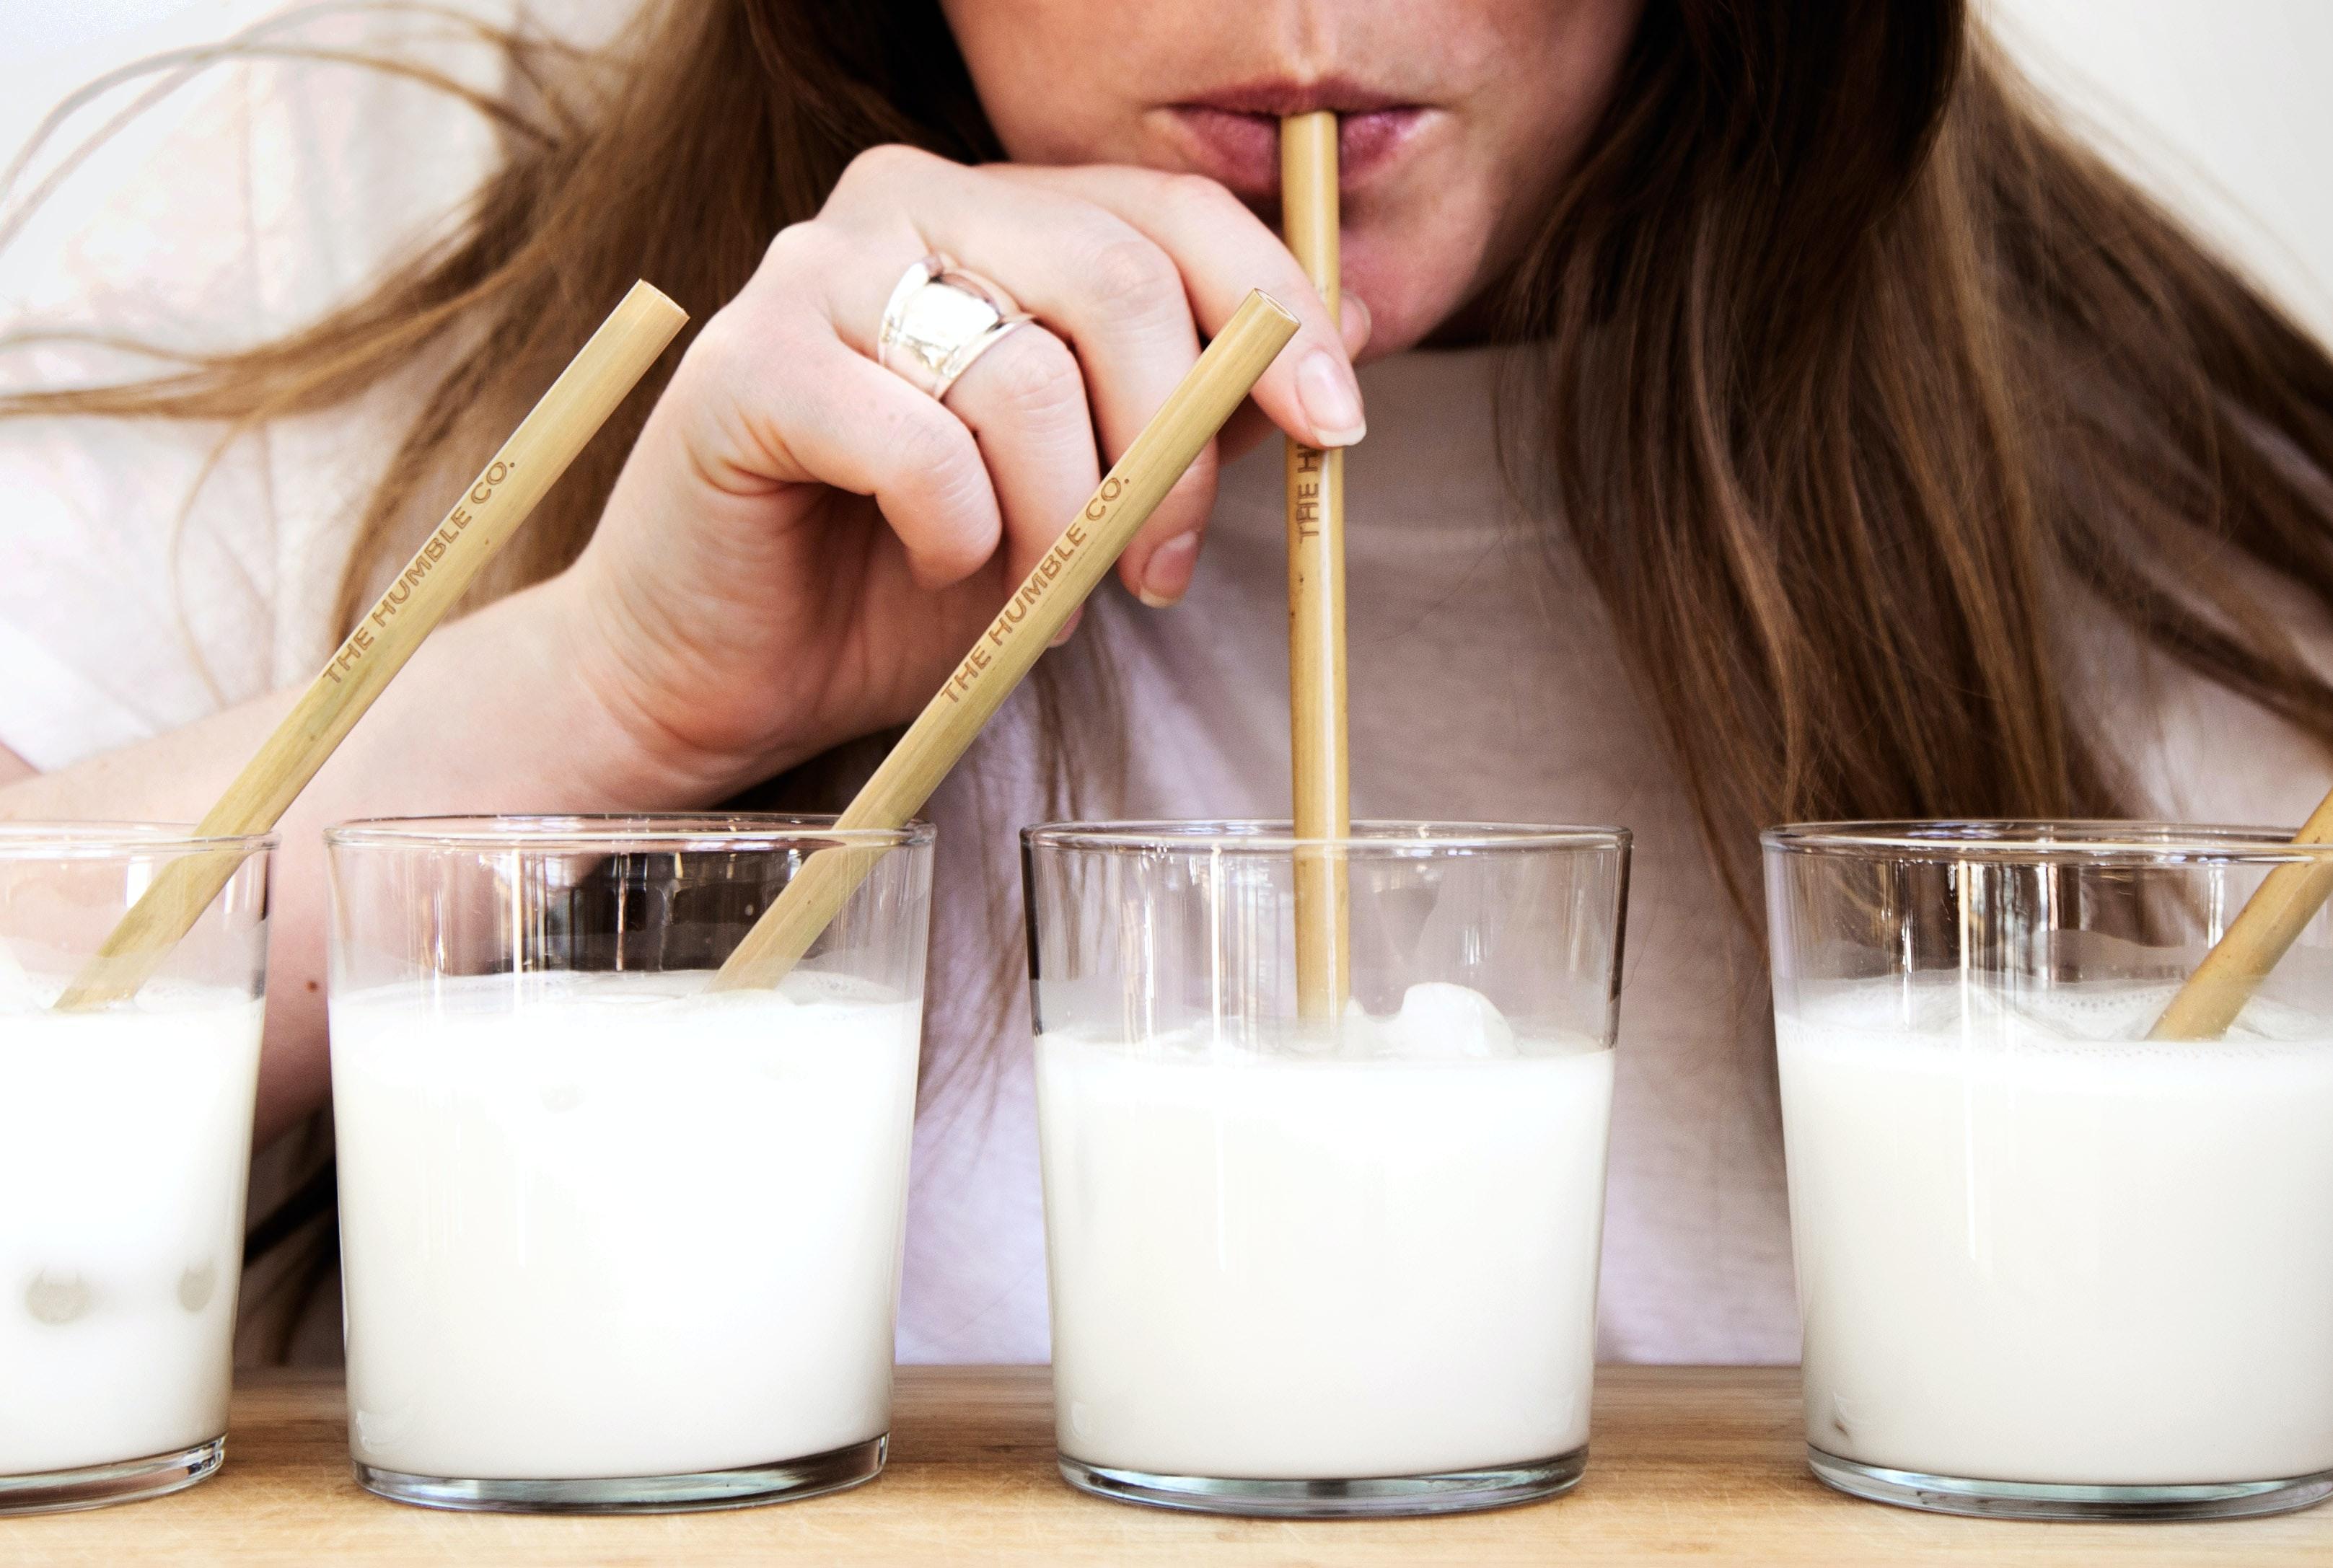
x,y
612,1241
1335,1265
2048,1265
125,1140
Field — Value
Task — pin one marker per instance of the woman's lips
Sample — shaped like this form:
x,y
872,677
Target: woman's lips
x,y
1234,138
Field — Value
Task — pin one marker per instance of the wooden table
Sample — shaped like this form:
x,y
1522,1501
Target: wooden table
x,y
1686,1463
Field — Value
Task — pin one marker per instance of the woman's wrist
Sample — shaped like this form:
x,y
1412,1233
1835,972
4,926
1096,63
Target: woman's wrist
x,y
632,749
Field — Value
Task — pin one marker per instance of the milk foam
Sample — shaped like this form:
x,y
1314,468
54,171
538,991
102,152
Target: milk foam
x,y
1312,1253
614,1225
2035,1247
125,1140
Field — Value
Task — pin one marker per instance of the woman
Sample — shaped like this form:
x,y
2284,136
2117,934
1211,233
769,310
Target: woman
x,y
1868,450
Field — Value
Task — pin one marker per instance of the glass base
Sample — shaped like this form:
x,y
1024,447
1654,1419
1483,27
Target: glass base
x,y
1375,1496
125,1481
773,1483
2048,1500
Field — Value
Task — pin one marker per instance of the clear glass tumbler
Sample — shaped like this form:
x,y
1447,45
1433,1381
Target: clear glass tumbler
x,y
125,1144
612,1241
1323,1266
2050,1267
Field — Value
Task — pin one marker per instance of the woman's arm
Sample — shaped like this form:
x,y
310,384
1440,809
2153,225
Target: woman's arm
x,y
488,717
800,544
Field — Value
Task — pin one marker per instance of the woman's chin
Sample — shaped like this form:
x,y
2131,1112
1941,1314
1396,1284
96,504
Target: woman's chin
x,y
1410,292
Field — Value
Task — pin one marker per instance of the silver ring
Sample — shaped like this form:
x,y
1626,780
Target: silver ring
x,y
939,319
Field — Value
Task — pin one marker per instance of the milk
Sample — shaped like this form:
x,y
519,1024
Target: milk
x,y
125,1140
608,1225
2031,1249
1365,1251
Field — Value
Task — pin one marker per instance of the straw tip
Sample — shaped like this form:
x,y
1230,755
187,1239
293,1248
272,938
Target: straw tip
x,y
646,296
1258,300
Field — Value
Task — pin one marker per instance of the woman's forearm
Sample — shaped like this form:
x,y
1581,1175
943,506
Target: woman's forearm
x,y
488,717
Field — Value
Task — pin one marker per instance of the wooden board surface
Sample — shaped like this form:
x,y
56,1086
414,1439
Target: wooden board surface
x,y
1699,1464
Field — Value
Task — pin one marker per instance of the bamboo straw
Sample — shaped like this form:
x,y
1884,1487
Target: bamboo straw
x,y
1020,632
480,523
1316,602
2287,899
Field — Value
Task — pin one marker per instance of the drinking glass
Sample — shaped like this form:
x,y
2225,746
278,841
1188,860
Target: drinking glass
x,y
2049,1266
1323,1265
611,1240
125,1145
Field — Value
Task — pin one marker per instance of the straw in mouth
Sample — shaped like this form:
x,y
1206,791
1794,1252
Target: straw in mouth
x,y
1316,603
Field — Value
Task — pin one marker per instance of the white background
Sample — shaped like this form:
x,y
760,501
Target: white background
x,y
2222,105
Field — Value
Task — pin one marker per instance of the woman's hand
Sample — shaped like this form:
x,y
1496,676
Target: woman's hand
x,y
803,543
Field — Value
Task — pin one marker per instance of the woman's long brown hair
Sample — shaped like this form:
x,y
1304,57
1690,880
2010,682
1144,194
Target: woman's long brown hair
x,y
1868,391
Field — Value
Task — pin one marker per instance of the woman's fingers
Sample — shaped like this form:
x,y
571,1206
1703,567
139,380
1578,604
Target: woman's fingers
x,y
1024,402
1124,268
1218,251
1221,251
1129,266
1007,459
1108,293
808,409
1118,301
1120,261
1250,424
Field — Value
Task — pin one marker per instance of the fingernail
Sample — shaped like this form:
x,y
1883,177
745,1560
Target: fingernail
x,y
1167,577
1332,402
1068,627
1354,320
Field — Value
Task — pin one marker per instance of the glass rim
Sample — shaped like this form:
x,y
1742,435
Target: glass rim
x,y
1261,836
100,840
710,832
2045,840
